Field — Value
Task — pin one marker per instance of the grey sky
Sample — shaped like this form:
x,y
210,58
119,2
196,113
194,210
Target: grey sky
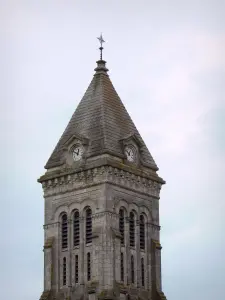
x,y
167,62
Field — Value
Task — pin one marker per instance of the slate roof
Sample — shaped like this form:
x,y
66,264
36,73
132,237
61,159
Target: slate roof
x,y
102,118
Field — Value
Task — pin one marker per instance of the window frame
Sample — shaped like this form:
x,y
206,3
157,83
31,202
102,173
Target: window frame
x,y
132,229
88,226
76,228
122,225
64,231
142,232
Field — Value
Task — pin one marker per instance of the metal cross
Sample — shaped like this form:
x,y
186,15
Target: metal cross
x,y
101,40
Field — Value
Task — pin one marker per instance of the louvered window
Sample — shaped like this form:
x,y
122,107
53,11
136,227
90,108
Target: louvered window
x,y
88,226
121,225
121,267
142,232
132,269
142,272
76,269
88,266
132,230
64,231
76,229
64,271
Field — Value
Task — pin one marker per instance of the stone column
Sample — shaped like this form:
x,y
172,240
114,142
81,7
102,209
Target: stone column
x,y
156,266
116,246
52,233
138,254
148,256
48,264
127,276
70,247
81,252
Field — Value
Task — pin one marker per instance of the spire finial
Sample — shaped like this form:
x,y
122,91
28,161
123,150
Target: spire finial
x,y
101,40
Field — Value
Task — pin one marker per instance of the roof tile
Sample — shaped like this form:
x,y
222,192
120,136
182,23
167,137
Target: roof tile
x,y
102,118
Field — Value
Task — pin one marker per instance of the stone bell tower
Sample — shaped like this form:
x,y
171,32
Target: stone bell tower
x,y
101,193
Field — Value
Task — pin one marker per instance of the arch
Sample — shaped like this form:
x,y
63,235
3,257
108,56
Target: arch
x,y
124,208
142,232
88,222
134,208
59,211
64,231
121,203
144,210
76,228
85,204
72,207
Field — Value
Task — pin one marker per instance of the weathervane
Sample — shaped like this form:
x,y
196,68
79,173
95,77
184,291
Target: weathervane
x,y
101,40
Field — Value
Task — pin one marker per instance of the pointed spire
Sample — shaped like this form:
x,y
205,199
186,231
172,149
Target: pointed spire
x,y
102,119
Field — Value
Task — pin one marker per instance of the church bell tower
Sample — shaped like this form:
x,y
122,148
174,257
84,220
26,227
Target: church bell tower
x,y
101,192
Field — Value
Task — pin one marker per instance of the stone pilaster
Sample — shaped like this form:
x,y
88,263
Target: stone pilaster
x,y
48,263
138,254
127,275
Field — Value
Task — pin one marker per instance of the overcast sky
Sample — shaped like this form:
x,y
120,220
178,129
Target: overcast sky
x,y
167,62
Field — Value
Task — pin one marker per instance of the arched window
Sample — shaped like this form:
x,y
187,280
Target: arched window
x,y
88,266
121,225
64,271
121,267
76,269
142,232
132,269
64,229
132,230
142,272
88,226
76,229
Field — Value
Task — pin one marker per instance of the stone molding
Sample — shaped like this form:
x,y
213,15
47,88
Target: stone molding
x,y
118,200
153,226
104,174
49,225
105,213
102,214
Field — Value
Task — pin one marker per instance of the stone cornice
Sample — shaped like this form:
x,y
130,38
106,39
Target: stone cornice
x,y
103,162
67,182
49,225
153,226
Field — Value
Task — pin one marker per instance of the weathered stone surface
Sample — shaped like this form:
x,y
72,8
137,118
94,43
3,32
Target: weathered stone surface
x,y
104,182
102,119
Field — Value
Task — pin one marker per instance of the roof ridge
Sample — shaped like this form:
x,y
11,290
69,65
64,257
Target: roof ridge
x,y
102,109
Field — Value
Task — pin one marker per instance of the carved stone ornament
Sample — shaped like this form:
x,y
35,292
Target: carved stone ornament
x,y
66,183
